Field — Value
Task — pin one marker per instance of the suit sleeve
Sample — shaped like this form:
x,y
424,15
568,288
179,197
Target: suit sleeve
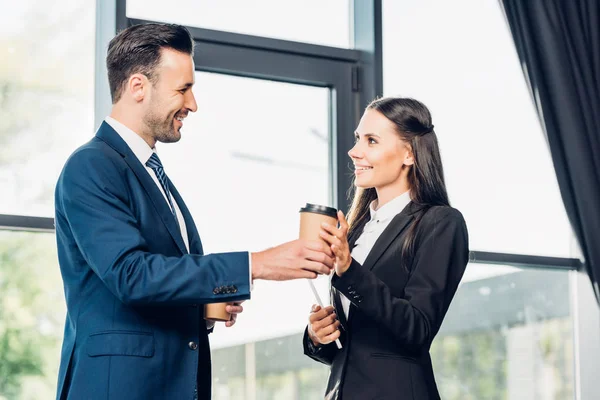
x,y
323,354
93,207
439,263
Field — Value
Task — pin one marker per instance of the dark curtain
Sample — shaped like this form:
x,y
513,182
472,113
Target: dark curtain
x,y
558,42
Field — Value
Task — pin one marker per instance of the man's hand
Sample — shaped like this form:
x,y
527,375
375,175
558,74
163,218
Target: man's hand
x,y
234,309
293,260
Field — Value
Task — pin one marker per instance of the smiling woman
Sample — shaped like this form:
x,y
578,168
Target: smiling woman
x,y
399,261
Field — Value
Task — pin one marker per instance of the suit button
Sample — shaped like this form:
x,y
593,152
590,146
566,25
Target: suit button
x,y
193,345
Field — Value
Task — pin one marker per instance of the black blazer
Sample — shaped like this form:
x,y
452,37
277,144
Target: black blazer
x,y
395,311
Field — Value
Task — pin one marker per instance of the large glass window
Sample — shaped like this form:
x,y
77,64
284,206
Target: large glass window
x,y
32,315
254,153
508,335
311,21
46,97
459,59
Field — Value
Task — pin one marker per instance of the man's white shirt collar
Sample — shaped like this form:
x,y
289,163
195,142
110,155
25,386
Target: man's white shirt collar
x,y
138,146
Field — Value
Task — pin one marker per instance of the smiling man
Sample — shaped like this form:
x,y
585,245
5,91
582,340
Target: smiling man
x,y
134,272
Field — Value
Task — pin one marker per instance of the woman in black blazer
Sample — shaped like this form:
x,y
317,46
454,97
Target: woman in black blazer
x,y
399,261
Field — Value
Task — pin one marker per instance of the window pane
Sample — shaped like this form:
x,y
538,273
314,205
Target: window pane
x,y
496,159
46,97
254,153
507,335
32,315
312,21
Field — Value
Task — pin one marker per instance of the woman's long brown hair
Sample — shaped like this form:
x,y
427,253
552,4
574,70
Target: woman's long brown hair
x,y
425,178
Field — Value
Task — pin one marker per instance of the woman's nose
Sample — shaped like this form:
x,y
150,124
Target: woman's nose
x,y
353,152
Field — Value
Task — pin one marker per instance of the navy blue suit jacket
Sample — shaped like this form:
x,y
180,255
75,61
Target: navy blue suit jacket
x,y
134,327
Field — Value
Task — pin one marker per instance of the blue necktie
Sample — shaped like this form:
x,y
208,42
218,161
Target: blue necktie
x,y
155,164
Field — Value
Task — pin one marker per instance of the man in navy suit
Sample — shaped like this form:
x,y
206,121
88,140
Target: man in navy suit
x,y
132,263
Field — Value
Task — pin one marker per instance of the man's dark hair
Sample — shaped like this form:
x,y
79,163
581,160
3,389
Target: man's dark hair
x,y
137,49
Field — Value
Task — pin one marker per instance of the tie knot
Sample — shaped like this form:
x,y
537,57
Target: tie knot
x,y
154,162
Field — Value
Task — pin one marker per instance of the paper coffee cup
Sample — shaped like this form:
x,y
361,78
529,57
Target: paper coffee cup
x,y
216,312
311,217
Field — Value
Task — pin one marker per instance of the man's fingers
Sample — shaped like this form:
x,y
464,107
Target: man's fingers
x,y
299,274
232,309
320,257
317,245
317,267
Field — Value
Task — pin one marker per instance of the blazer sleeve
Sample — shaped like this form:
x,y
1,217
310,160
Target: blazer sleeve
x,y
93,211
440,261
324,353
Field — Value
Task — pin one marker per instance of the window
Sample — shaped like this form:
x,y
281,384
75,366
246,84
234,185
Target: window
x,y
251,163
32,315
312,21
508,334
459,59
46,97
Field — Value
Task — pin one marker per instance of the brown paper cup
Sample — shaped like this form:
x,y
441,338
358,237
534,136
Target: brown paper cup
x,y
311,217
216,312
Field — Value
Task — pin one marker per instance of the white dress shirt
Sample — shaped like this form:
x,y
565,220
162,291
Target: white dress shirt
x,y
143,152
380,219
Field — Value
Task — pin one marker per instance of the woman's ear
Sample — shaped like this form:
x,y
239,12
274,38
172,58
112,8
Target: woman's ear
x,y
408,157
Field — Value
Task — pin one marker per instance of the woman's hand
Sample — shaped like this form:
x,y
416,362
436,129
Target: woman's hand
x,y
338,240
323,326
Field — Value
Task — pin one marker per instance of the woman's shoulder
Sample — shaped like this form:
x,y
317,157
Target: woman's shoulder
x,y
443,213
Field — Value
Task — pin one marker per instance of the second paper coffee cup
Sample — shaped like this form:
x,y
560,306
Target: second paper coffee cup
x,y
216,312
311,217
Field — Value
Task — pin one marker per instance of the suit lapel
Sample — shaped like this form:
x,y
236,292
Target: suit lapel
x,y
192,232
107,134
391,232
387,237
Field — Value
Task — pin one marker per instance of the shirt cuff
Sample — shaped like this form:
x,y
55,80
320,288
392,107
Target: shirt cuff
x,y
250,283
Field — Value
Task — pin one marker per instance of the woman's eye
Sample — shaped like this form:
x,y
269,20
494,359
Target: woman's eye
x,y
372,141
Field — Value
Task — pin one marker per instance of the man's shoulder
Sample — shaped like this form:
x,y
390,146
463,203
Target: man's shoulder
x,y
93,160
95,150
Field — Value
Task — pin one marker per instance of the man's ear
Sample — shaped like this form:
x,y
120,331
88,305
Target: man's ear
x,y
137,86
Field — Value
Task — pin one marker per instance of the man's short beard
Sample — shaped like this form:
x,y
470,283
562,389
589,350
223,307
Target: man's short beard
x,y
161,130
